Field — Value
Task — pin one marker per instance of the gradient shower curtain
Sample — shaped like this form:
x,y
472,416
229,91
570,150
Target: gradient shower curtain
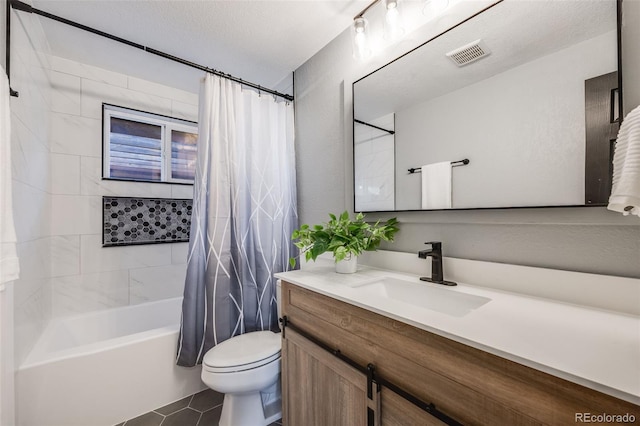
x,y
244,213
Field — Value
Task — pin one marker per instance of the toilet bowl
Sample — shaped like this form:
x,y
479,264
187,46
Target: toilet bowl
x,y
246,368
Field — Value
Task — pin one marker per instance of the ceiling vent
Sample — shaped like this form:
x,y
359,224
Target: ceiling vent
x,y
469,53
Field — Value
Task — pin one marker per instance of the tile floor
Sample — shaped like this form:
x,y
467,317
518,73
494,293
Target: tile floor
x,y
200,409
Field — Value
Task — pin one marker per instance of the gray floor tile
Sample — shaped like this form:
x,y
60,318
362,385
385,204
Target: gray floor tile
x,y
211,417
174,406
185,417
120,424
149,419
206,400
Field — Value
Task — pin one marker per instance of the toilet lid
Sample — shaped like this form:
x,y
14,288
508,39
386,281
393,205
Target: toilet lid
x,y
248,350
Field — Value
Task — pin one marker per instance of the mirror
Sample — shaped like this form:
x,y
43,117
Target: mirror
x,y
536,116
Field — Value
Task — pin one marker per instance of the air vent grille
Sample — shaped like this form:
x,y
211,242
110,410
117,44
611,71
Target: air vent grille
x,y
469,53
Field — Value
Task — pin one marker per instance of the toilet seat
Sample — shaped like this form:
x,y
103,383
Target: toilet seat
x,y
244,352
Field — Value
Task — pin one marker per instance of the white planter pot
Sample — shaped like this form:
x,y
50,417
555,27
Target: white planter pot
x,y
347,266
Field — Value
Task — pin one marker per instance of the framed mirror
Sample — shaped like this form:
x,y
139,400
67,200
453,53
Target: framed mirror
x,y
515,107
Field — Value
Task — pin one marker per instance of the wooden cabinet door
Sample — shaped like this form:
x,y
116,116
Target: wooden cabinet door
x,y
318,389
397,411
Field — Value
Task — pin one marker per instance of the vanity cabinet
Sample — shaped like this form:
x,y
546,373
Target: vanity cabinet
x,y
466,384
321,389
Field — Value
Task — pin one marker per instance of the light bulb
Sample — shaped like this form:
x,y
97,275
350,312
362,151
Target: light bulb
x,y
393,28
361,48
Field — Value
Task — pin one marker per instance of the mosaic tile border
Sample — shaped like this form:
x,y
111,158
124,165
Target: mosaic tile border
x,y
137,220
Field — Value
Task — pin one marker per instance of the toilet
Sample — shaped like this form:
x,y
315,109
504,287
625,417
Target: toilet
x,y
246,368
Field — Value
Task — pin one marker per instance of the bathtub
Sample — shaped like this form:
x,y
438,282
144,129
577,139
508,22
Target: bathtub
x,y
101,368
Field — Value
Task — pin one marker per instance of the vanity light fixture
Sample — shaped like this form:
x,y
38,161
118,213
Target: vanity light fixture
x,y
393,27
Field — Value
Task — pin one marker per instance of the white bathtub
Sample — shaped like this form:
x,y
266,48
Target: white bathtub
x,y
101,368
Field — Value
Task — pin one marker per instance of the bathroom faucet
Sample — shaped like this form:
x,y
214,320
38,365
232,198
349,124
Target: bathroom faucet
x,y
437,273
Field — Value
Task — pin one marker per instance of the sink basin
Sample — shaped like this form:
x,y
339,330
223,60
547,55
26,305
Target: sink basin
x,y
425,296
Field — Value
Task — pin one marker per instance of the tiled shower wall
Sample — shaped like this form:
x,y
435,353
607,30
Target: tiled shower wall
x,y
87,276
30,164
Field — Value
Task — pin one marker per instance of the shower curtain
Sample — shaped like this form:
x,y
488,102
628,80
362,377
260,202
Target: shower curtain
x,y
244,211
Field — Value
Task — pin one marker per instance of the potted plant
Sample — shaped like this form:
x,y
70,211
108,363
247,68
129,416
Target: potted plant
x,y
346,238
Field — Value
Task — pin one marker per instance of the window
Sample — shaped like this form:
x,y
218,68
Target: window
x,y
148,147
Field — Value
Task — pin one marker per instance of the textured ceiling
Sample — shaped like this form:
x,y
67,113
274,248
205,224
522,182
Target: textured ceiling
x,y
260,41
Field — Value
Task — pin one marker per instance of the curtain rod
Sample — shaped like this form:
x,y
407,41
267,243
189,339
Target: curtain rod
x,y
24,7
391,132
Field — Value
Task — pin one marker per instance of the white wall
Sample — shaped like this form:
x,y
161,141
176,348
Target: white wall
x,y
87,276
581,239
532,133
631,54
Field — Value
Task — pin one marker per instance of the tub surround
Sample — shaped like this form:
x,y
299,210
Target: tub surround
x,y
86,276
114,365
590,346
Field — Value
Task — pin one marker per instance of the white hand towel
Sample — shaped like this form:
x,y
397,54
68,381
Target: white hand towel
x,y
9,267
436,186
625,193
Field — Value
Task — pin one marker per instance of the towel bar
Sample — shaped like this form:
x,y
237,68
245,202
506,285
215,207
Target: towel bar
x,y
453,164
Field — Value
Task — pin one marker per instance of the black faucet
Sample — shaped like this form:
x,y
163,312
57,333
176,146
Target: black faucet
x,y
437,273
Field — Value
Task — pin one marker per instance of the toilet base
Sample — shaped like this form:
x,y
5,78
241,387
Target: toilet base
x,y
247,410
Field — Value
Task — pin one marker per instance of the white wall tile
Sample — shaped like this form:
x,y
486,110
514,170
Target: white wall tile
x,y
91,183
94,94
90,292
65,255
163,282
31,107
20,43
156,89
88,71
65,95
184,111
32,212
86,275
29,157
35,257
71,134
41,79
65,174
29,39
76,214
31,180
31,77
182,191
95,258
179,253
30,318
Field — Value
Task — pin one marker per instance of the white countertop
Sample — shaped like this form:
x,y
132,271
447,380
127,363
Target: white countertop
x,y
596,348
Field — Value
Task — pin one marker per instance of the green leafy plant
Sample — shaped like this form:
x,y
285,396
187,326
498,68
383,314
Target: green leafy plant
x,y
342,236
